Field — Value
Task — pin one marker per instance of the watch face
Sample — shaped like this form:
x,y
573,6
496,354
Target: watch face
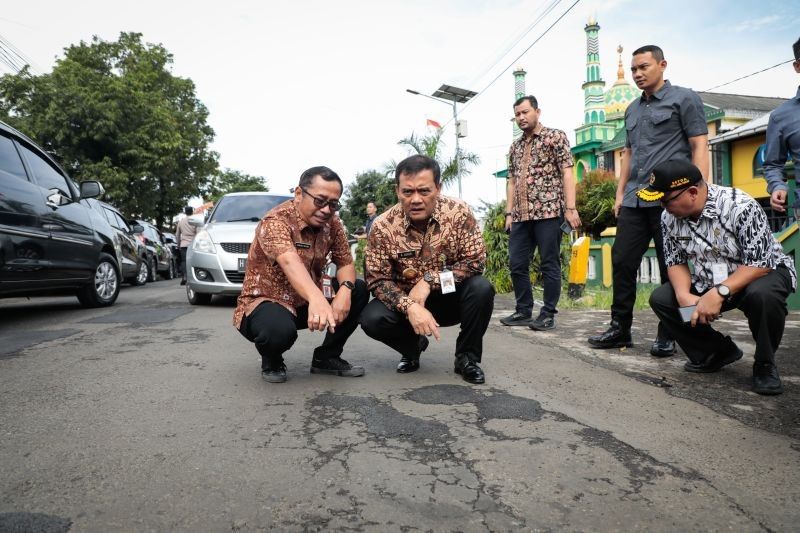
x,y
427,277
723,290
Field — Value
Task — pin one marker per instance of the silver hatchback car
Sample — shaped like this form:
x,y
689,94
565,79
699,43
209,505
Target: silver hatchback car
x,y
216,260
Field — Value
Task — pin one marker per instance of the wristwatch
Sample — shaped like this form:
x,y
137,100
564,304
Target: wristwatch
x,y
349,284
509,214
723,291
428,276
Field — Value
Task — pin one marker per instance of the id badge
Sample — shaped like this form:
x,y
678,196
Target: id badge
x,y
327,288
719,272
447,281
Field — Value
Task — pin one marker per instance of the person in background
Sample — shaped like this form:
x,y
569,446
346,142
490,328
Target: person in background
x,y
783,139
184,234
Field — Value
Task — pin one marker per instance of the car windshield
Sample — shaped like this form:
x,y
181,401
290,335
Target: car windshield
x,y
245,208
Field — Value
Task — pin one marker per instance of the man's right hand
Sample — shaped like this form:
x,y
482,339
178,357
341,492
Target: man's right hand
x,y
687,300
509,221
320,315
618,203
422,321
778,200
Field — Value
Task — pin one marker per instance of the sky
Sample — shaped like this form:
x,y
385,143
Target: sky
x,y
291,85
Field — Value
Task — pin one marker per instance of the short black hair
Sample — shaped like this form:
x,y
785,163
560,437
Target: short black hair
x,y
531,100
658,53
413,165
796,48
323,172
188,210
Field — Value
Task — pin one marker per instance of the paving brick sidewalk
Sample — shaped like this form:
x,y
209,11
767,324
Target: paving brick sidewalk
x,y
726,392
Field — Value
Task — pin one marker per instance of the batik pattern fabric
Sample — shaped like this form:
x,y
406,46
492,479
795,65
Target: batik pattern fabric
x,y
398,254
536,163
731,230
283,230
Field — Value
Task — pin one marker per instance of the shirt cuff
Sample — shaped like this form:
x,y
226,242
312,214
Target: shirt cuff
x,y
404,303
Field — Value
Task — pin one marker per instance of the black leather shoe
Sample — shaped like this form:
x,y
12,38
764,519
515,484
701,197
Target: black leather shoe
x,y
716,360
274,374
407,365
411,364
766,380
662,347
516,319
613,337
469,371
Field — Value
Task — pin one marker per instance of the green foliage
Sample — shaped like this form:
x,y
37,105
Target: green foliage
x,y
595,196
496,239
431,146
369,186
113,111
229,180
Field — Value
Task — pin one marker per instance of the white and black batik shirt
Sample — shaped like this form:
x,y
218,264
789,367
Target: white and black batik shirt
x,y
732,229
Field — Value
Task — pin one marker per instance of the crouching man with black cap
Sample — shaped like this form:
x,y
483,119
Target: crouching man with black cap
x,y
737,264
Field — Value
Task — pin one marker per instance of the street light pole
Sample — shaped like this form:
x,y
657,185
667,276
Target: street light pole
x,y
447,94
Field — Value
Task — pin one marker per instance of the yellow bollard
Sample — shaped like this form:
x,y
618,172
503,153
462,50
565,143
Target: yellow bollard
x,y
578,267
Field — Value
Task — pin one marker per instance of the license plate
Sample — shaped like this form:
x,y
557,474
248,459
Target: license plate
x,y
242,264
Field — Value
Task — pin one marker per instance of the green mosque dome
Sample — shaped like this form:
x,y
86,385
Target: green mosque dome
x,y
620,94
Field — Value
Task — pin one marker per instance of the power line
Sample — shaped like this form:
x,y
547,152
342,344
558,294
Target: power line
x,y
753,74
517,59
517,40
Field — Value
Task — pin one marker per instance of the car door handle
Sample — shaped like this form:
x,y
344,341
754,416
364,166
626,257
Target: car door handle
x,y
53,227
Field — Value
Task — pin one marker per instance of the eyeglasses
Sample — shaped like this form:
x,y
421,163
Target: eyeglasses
x,y
320,203
665,201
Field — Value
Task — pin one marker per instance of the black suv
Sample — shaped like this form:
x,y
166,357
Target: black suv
x,y
159,255
131,252
51,241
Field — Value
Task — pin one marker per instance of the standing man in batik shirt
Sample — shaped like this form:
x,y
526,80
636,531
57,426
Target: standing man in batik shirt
x,y
540,194
425,259
667,122
284,290
737,263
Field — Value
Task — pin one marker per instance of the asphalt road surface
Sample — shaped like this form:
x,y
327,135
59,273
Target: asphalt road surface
x,y
151,415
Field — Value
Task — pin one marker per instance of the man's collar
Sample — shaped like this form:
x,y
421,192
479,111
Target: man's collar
x,y
301,223
798,94
659,94
526,137
710,209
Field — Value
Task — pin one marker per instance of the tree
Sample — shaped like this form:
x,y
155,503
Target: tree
x,y
229,180
114,112
369,186
431,146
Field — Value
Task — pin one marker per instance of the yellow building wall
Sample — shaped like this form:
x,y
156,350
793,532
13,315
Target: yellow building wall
x,y
617,161
742,153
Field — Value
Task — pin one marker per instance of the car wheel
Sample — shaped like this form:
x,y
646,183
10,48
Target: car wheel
x,y
197,298
141,276
103,290
152,272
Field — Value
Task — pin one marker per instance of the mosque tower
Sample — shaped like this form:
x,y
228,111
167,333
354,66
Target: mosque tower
x,y
519,92
593,97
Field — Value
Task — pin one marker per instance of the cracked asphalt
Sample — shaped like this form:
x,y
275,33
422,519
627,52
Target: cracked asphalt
x,y
152,416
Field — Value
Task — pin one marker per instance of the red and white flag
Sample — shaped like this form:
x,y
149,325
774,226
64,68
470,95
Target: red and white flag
x,y
433,124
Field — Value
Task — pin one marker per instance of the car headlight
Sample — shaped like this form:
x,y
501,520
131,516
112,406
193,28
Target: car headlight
x,y
202,243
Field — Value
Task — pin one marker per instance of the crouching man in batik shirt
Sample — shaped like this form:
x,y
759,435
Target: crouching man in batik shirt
x,y
283,288
737,264
425,257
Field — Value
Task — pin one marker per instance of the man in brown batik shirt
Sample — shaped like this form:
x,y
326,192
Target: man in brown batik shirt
x,y
283,288
417,253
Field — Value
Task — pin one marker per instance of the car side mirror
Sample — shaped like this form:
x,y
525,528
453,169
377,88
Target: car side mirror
x,y
91,189
137,228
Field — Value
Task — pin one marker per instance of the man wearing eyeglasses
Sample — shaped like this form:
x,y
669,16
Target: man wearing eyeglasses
x,y
284,289
737,264
425,260
667,122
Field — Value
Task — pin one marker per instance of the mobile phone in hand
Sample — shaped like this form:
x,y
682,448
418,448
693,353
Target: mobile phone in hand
x,y
687,312
566,227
